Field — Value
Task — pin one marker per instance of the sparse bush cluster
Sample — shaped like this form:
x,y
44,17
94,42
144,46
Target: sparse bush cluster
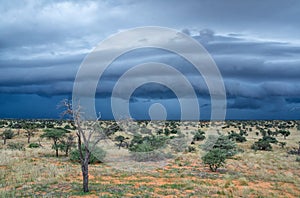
x,y
147,143
218,148
148,148
264,143
238,137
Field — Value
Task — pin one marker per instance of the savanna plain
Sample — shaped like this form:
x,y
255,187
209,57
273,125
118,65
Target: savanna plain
x,y
262,160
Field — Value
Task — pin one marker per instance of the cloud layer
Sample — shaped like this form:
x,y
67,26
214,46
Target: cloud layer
x,y
255,45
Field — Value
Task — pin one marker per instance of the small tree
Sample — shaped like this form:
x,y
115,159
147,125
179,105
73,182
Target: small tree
x,y
56,135
282,144
89,134
284,133
222,142
215,158
7,134
120,139
67,144
218,148
29,132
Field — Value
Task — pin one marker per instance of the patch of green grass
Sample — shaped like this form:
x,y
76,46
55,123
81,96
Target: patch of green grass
x,y
174,186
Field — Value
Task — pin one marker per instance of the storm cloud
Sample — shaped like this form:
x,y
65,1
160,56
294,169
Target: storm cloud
x,y
255,45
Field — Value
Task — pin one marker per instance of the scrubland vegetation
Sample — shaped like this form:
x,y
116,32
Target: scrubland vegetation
x,y
39,158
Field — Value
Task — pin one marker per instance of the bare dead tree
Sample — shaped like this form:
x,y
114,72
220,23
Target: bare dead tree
x,y
89,134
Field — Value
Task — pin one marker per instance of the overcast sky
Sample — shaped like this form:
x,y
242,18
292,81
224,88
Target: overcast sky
x,y
255,44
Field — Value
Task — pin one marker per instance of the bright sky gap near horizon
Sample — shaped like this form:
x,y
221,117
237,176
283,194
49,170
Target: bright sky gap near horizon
x,y
255,44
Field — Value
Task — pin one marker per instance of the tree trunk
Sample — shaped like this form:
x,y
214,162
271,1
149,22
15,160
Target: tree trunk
x,y
120,144
84,160
28,139
85,170
85,176
56,148
4,140
67,150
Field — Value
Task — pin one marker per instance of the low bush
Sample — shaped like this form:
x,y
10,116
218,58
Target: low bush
x,y
147,143
191,149
295,151
199,136
34,145
261,145
97,156
270,139
264,144
238,137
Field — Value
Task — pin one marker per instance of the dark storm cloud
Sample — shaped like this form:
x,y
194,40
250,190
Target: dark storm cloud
x,y
252,73
245,103
255,44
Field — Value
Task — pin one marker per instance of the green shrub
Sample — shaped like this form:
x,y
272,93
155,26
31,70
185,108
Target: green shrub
x,y
282,144
261,145
167,131
215,158
68,127
97,156
284,133
147,143
297,159
16,146
238,137
222,142
199,136
270,139
34,145
8,134
191,149
264,144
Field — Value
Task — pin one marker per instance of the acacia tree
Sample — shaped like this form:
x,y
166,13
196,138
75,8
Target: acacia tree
x,y
284,133
215,158
120,139
56,135
67,144
89,134
29,132
7,134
